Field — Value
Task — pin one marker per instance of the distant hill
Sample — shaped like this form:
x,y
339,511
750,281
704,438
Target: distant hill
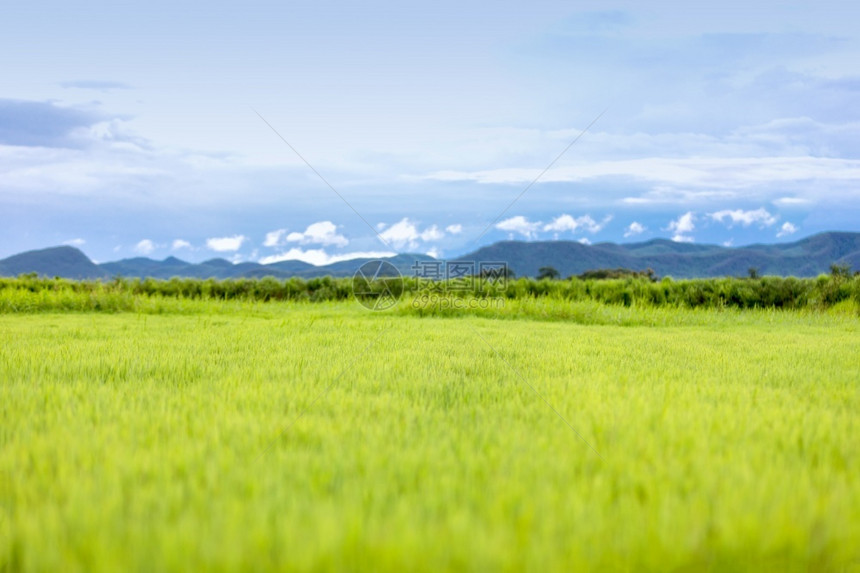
x,y
807,257
223,269
67,262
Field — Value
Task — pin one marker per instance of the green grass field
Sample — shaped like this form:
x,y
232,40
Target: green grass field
x,y
288,436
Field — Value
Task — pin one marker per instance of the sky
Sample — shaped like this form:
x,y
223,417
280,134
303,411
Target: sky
x,y
323,131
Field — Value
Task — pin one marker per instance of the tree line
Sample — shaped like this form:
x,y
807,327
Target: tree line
x,y
33,293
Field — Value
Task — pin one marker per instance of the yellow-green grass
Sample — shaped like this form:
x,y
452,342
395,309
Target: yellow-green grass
x,y
327,437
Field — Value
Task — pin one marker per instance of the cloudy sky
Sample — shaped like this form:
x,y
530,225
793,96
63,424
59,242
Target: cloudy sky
x,y
320,130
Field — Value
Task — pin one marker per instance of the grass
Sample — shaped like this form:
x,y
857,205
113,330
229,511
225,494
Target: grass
x,y
227,436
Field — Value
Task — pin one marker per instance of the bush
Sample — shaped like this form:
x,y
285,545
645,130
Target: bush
x,y
30,293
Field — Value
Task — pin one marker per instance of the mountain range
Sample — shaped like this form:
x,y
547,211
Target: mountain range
x,y
807,257
804,258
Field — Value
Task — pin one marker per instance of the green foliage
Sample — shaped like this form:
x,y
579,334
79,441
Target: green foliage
x,y
29,293
550,273
841,271
619,273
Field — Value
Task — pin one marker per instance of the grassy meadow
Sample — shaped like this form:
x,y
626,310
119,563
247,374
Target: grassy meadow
x,y
548,435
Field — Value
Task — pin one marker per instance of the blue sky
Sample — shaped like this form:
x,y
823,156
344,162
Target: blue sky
x,y
132,130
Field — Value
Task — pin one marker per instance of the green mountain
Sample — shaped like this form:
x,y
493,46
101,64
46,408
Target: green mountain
x,y
223,269
67,262
807,257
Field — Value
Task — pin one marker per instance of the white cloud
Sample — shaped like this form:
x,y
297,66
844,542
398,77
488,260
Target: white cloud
x,y
519,224
729,243
454,229
706,172
564,223
432,233
434,252
226,244
320,257
405,233
180,244
273,238
401,234
786,229
634,229
320,233
567,223
75,242
790,201
745,218
665,194
144,247
681,226
585,241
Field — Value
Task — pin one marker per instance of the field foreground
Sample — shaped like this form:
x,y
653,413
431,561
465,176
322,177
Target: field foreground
x,y
325,437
